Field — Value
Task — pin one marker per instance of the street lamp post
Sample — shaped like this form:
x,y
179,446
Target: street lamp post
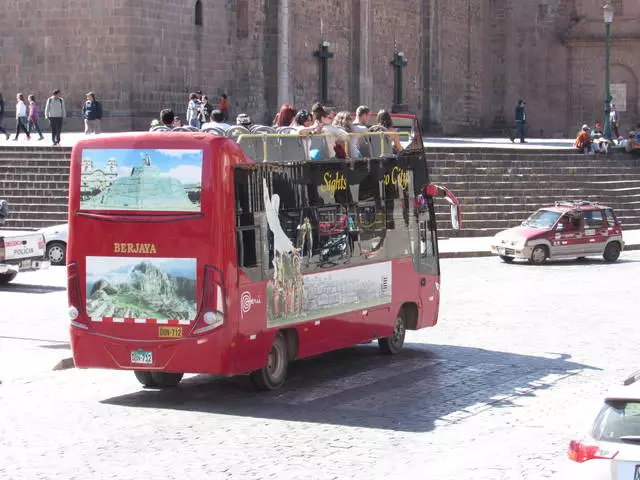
x,y
608,18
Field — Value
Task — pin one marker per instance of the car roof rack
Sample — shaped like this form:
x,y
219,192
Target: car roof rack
x,y
574,203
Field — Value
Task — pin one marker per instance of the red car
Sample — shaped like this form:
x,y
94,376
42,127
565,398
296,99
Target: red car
x,y
568,229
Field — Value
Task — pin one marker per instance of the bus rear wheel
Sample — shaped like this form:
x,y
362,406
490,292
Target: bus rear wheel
x,y
393,344
272,375
158,379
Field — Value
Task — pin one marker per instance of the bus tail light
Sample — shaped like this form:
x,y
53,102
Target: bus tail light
x,y
582,450
75,298
212,307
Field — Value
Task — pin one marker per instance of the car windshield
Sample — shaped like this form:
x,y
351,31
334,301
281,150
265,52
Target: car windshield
x,y
542,219
618,421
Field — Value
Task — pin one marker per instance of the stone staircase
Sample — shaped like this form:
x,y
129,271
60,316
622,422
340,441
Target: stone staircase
x,y
497,188
35,182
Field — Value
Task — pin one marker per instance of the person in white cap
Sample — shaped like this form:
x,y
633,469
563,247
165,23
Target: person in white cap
x,y
584,141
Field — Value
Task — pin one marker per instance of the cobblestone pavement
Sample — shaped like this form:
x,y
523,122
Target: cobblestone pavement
x,y
521,356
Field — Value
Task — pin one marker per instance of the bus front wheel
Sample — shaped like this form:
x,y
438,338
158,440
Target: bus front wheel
x,y
272,375
393,344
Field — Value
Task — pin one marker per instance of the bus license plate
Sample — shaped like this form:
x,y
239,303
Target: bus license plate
x,y
170,332
140,356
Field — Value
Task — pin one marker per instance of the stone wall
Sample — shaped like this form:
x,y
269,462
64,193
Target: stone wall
x,y
469,61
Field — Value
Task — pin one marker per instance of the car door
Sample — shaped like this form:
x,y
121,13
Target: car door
x,y
595,231
568,237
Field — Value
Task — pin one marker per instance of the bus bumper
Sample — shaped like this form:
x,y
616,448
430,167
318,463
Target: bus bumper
x,y
206,354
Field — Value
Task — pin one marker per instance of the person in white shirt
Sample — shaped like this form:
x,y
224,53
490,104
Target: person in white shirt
x,y
216,121
21,117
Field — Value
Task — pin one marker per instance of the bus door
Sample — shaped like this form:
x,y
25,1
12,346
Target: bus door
x,y
426,260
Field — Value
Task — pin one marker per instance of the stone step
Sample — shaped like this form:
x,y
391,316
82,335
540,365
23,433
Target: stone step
x,y
546,177
57,216
14,207
33,177
569,169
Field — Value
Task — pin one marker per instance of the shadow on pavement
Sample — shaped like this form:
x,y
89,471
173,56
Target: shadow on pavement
x,y
27,288
589,261
359,387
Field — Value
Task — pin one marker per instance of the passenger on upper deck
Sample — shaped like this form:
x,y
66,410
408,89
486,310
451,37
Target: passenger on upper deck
x,y
285,116
385,123
303,123
167,117
344,121
217,121
360,125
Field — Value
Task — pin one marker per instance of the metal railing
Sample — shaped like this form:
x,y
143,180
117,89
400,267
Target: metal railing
x,y
383,136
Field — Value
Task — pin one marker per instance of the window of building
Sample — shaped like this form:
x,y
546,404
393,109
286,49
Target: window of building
x,y
198,13
242,18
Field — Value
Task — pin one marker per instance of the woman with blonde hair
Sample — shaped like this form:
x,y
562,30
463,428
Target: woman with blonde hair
x,y
344,121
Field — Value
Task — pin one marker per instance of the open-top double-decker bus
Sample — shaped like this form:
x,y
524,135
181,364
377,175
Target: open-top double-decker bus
x,y
185,255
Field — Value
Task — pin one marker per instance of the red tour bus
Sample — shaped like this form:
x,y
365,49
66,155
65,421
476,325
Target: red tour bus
x,y
187,256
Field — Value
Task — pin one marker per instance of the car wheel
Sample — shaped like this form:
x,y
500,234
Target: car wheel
x,y
539,255
506,259
57,253
7,277
393,344
612,252
272,375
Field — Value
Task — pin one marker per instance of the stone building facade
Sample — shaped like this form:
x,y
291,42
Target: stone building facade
x,y
469,61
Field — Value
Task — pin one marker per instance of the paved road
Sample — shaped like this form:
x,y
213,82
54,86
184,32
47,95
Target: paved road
x,y
494,392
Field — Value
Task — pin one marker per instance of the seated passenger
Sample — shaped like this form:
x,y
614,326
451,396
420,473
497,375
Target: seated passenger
x,y
285,116
584,141
303,123
384,120
361,125
217,121
344,121
167,117
243,120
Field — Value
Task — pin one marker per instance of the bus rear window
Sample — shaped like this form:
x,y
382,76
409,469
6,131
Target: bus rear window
x,y
148,180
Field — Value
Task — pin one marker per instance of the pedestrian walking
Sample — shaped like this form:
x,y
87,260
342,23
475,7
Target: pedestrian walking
x,y
224,107
614,120
2,117
521,120
192,111
55,111
205,110
92,114
21,117
34,116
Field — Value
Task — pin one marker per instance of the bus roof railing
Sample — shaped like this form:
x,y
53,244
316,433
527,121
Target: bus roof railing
x,y
265,137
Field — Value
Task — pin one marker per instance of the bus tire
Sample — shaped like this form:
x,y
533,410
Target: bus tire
x,y
506,259
7,277
393,344
612,252
166,379
272,375
145,378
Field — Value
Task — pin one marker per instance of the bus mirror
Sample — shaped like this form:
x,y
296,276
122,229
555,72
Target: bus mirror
x,y
432,190
455,217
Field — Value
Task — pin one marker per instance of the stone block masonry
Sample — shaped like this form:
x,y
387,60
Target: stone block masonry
x,y
469,61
